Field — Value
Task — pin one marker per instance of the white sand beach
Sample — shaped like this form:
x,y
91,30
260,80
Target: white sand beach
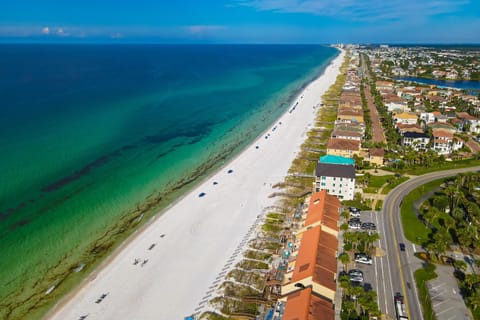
x,y
192,245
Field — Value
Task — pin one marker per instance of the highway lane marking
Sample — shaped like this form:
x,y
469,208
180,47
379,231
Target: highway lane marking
x,y
402,280
376,277
388,264
383,272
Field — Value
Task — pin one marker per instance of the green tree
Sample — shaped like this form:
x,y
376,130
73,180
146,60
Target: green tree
x,y
460,265
344,258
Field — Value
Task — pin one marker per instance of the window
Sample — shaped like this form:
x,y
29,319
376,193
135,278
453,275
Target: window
x,y
323,178
334,178
323,184
341,179
334,184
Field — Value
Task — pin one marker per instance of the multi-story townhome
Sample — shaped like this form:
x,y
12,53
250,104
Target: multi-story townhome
x,y
343,147
473,123
309,286
427,117
375,156
416,140
442,141
405,117
347,134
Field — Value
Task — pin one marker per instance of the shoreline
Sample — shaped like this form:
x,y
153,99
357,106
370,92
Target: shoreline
x,y
173,217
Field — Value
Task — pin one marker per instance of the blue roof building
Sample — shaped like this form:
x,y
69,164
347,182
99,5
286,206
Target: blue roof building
x,y
330,159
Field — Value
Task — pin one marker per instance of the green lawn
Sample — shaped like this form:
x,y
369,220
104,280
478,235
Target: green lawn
x,y
445,166
421,278
356,204
389,187
379,181
370,190
415,230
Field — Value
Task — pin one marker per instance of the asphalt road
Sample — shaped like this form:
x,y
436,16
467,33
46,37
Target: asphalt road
x,y
402,264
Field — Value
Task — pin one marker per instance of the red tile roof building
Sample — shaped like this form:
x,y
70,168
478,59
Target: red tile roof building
x,y
310,288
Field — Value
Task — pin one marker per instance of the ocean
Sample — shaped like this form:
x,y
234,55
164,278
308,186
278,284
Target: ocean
x,y
95,139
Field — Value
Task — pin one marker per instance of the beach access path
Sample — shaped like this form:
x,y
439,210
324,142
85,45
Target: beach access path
x,y
167,270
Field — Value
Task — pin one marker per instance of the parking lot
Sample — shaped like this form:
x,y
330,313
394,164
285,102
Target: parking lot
x,y
375,276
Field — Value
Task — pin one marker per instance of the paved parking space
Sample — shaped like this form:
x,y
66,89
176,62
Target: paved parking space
x,y
376,276
447,302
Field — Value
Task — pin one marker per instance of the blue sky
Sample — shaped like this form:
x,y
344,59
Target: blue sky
x,y
242,21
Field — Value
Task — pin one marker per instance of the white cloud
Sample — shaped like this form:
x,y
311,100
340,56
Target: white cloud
x,y
362,10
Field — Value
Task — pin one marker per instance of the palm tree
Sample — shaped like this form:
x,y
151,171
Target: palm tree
x,y
460,265
452,194
373,237
472,280
344,258
467,235
368,301
457,213
474,299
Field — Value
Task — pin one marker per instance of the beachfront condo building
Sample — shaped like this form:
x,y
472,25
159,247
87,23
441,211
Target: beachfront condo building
x,y
337,179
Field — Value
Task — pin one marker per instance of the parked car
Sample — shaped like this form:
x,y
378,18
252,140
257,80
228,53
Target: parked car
x,y
369,226
354,220
354,226
363,258
356,278
355,275
355,272
355,214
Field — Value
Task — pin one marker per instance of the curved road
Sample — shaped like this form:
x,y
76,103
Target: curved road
x,y
403,264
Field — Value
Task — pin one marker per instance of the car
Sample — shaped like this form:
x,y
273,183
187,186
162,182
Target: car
x,y
355,214
354,220
356,283
201,194
355,272
354,226
356,278
230,171
402,246
369,226
364,259
353,209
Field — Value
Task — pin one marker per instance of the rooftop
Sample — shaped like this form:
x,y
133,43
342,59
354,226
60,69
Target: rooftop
x,y
334,170
323,208
331,159
348,133
305,305
343,144
377,152
414,135
317,258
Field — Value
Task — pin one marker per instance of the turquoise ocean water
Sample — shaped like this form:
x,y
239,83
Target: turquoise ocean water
x,y
96,138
